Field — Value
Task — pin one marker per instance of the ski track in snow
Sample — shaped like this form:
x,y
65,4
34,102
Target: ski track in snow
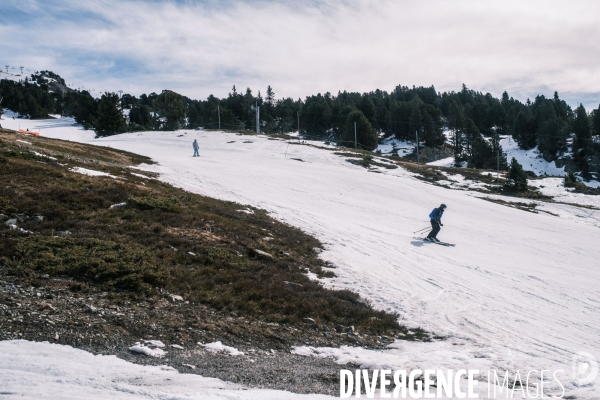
x,y
520,290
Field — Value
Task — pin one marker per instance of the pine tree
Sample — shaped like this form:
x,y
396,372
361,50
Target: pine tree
x,y
316,116
471,134
551,136
193,116
516,180
455,124
110,119
570,179
477,151
483,155
581,128
270,99
596,121
431,133
128,101
228,119
250,116
367,107
524,129
267,116
505,100
140,118
400,113
366,137
171,106
415,119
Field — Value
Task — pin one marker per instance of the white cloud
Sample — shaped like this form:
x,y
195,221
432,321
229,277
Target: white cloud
x,y
199,49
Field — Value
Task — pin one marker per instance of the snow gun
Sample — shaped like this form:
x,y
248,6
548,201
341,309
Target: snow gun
x,y
29,132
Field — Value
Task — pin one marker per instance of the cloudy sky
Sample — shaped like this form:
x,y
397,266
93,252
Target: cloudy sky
x,y
304,47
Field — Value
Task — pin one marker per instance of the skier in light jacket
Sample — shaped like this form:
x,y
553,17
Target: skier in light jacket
x,y
436,222
195,145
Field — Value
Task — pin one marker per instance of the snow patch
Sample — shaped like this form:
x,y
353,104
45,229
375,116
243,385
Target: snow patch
x,y
139,175
43,155
555,188
217,347
391,145
140,348
444,162
16,228
90,172
592,183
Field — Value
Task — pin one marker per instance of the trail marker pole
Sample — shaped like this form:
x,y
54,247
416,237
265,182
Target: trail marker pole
x,y
219,114
257,118
417,136
497,162
288,145
355,136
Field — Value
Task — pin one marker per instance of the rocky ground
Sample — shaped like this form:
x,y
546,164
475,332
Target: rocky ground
x,y
63,311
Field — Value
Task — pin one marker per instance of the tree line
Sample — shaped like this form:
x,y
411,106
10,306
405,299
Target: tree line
x,y
474,121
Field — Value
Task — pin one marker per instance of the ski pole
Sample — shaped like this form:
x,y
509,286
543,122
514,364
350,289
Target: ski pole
x,y
424,229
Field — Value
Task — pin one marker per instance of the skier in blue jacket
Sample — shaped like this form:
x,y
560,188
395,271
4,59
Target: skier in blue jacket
x,y
195,146
436,222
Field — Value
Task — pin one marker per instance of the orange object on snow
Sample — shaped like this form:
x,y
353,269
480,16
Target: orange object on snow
x,y
29,132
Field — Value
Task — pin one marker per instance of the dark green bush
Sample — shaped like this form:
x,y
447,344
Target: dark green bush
x,y
5,206
516,180
122,266
572,182
24,155
152,203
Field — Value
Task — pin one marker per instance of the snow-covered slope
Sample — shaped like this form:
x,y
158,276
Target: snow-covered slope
x,y
531,160
554,187
519,291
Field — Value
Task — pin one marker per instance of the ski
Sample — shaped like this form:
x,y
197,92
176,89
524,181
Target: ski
x,y
446,244
440,243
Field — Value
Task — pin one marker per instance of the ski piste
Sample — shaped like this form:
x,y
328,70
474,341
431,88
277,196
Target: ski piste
x,y
440,243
